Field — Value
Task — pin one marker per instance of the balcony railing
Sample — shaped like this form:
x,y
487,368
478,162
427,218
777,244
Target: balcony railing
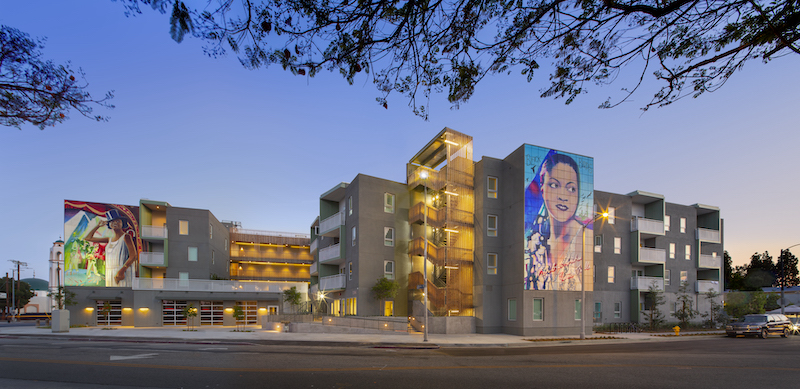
x,y
647,226
703,286
330,253
314,270
154,232
709,262
215,285
335,282
314,246
331,223
151,259
707,235
652,255
644,283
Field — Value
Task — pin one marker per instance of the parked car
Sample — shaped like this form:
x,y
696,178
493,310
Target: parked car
x,y
761,325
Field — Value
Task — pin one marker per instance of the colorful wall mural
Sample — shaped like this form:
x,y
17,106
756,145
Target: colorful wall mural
x,y
102,244
559,202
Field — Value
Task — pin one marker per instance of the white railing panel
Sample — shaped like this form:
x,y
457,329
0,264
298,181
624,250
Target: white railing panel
x,y
650,226
707,235
332,282
154,232
331,222
314,245
271,233
643,283
216,285
703,286
330,252
314,268
651,255
710,262
148,258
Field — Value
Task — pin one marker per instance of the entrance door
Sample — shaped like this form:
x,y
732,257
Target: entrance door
x,y
211,313
109,312
272,310
388,308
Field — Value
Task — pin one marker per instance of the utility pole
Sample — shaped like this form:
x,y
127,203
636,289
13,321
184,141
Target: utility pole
x,y
14,289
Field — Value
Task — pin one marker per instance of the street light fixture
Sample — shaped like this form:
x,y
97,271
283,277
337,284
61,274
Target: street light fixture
x,y
583,273
424,175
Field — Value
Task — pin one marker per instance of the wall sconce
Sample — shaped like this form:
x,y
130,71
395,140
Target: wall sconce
x,y
89,309
229,310
144,309
127,309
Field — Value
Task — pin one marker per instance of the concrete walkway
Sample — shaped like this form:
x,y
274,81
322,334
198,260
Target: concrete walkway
x,y
253,334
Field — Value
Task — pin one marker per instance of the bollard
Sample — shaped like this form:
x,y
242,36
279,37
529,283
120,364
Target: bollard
x,y
677,330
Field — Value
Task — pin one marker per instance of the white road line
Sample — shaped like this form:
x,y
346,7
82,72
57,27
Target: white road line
x,y
212,348
140,356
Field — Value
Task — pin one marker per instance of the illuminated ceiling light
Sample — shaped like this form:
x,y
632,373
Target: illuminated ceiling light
x,y
451,267
450,142
423,174
451,193
449,230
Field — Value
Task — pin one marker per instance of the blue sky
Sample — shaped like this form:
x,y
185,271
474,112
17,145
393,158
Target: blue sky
x,y
261,146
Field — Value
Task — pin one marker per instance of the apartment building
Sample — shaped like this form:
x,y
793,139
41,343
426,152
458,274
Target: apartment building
x,y
158,259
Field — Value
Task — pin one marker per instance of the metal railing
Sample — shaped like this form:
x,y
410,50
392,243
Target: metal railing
x,y
652,255
709,262
332,222
154,232
149,258
332,282
330,252
645,225
215,285
703,286
644,283
271,233
708,235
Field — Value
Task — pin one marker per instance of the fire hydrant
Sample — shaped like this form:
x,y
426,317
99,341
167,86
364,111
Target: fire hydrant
x,y
677,330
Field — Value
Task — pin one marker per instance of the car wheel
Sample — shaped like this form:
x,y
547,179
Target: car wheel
x,y
731,335
785,333
764,333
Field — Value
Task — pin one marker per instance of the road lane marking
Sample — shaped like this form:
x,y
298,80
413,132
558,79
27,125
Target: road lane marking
x,y
212,348
126,357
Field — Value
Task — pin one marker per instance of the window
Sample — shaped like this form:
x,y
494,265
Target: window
x,y
491,225
598,243
350,306
388,269
226,244
350,270
672,250
491,263
578,310
192,254
349,205
491,187
210,231
666,223
683,225
512,309
388,203
666,277
183,279
612,213
617,310
353,234
684,277
388,236
598,312
183,227
688,252
617,245
212,257
611,274
537,310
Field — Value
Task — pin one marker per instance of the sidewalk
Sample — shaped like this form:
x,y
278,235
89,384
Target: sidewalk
x,y
227,334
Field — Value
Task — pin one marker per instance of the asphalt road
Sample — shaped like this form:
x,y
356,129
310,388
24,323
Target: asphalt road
x,y
704,362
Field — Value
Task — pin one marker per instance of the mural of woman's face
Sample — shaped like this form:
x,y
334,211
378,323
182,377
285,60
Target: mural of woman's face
x,y
560,192
115,224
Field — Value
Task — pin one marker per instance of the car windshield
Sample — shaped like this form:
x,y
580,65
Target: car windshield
x,y
755,319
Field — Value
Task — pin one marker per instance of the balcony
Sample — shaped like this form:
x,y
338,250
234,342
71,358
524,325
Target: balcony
x,y
332,255
647,226
709,262
417,215
152,259
154,232
710,236
434,181
643,283
314,246
330,226
331,283
649,256
314,269
703,286
215,285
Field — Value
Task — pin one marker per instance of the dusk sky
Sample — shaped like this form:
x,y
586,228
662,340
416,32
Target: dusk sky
x,y
260,146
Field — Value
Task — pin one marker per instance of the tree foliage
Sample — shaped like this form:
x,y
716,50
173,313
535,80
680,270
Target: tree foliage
x,y
738,304
715,312
786,269
292,297
238,314
420,47
21,290
385,288
684,310
37,91
654,300
62,297
189,313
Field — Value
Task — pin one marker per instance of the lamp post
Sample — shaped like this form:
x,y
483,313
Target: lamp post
x,y
583,273
783,278
424,176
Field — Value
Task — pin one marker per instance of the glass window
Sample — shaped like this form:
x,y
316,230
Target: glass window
x,y
192,254
688,252
212,257
578,310
491,187
617,245
349,205
537,310
388,202
184,275
491,263
617,310
491,225
683,225
598,312
612,213
512,309
210,231
183,227
684,277
388,236
666,277
611,274
350,270
598,243
672,250
388,269
666,222
353,234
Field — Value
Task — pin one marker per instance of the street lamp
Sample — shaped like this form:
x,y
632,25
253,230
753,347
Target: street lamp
x,y
783,278
424,176
583,273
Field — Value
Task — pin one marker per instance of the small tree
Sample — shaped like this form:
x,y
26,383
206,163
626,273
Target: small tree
x,y
62,297
22,293
105,311
385,289
743,303
189,313
715,312
292,297
685,312
654,299
238,314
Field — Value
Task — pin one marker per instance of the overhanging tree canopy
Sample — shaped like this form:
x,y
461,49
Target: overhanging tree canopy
x,y
420,47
